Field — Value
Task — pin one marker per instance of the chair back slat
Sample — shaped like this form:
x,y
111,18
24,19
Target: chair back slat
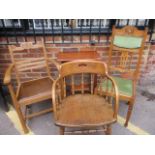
x,y
127,45
81,77
27,46
28,65
30,60
124,59
73,84
83,66
64,86
82,83
92,83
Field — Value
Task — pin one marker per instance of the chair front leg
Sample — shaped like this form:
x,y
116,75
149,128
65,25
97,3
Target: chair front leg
x,y
22,120
108,130
130,108
61,130
18,109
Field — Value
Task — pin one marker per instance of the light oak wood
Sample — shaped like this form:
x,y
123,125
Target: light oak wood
x,y
92,83
73,84
123,58
32,91
38,113
108,130
83,109
82,83
62,130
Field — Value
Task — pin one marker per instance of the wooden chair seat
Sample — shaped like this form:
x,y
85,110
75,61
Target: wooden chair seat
x,y
124,86
35,91
84,110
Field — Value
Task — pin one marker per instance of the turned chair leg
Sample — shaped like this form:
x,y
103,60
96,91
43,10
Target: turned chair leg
x,y
130,107
61,130
108,130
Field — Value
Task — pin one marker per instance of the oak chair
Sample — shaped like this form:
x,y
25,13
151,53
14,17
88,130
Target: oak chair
x,y
84,108
34,90
126,50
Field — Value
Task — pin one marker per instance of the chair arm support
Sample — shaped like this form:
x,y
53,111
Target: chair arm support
x,y
54,96
56,63
116,105
7,77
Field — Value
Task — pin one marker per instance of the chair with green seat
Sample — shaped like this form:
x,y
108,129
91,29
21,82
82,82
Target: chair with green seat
x,y
124,62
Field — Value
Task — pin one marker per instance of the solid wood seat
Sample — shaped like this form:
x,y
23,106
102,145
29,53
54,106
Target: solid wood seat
x,y
84,110
38,89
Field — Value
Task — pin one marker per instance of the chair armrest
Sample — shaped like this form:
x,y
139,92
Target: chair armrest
x,y
7,76
54,96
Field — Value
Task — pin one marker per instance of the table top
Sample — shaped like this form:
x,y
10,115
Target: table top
x,y
70,56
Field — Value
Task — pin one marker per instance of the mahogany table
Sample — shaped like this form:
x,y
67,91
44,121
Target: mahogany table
x,y
70,56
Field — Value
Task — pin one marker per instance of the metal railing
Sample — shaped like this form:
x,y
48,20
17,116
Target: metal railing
x,y
66,27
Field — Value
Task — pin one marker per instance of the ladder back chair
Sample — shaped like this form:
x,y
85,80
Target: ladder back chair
x,y
34,90
124,62
84,109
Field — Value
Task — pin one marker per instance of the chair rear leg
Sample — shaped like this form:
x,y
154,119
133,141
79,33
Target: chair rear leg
x,y
61,130
108,130
130,108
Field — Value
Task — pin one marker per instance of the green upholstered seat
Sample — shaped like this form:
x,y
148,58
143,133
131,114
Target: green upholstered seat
x,y
124,86
127,41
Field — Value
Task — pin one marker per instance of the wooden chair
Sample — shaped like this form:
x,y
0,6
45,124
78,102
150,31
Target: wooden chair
x,y
84,109
126,50
31,91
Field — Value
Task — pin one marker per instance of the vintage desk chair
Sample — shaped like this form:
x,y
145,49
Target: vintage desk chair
x,y
31,91
84,109
126,50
